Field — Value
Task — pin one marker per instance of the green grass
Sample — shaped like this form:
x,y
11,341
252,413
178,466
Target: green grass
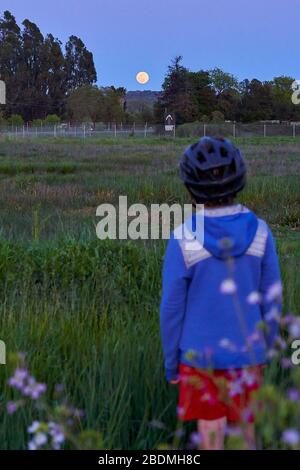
x,y
85,311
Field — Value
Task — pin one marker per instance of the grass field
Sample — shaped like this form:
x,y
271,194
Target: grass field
x,y
86,311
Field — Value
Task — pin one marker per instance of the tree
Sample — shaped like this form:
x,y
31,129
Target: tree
x,y
203,95
34,100
85,103
256,102
53,75
113,104
177,94
10,60
281,91
79,64
222,81
226,87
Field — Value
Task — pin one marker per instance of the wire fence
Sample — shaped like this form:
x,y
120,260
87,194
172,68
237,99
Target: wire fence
x,y
113,130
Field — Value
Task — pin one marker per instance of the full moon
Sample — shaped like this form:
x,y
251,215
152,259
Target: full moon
x,y
142,78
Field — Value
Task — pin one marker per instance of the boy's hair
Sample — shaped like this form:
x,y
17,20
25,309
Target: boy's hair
x,y
213,171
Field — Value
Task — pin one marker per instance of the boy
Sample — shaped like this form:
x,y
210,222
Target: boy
x,y
221,301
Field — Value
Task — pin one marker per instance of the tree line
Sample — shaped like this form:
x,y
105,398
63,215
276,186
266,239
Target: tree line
x,y
48,81
216,95
45,81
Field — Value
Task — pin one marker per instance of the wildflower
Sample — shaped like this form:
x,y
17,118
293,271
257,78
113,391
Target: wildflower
x,y
59,388
253,337
228,286
286,363
254,298
233,431
294,328
274,292
227,344
18,379
291,437
57,434
280,343
179,433
293,394
40,439
272,314
248,378
32,445
34,389
287,319
180,411
11,407
195,439
34,427
272,353
235,388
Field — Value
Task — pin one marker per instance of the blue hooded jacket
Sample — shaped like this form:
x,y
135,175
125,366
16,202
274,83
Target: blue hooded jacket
x,y
221,301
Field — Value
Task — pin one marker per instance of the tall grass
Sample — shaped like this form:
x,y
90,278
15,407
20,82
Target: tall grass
x,y
85,311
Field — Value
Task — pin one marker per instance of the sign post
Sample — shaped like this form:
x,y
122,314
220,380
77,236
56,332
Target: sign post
x,y
169,123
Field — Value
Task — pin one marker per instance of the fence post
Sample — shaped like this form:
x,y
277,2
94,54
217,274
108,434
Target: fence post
x,y
234,130
145,130
204,130
84,131
54,130
265,130
294,130
23,131
115,129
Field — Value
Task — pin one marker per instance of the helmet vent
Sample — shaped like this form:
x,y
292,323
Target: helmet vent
x,y
224,152
200,157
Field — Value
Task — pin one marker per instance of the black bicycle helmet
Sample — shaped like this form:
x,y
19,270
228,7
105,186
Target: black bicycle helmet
x,y
212,169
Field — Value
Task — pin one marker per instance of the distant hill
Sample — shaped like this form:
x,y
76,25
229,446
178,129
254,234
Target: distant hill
x,y
139,100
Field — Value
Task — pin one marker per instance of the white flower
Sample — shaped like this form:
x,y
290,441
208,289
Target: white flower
x,y
228,286
227,344
294,328
274,292
33,427
291,437
254,298
272,314
40,439
32,445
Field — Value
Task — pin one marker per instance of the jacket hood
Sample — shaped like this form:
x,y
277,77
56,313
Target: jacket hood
x,y
229,230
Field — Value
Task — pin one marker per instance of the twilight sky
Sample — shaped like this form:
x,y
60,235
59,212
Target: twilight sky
x,y
249,38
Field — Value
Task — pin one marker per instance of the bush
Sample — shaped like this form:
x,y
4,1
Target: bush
x,y
16,120
191,129
217,116
52,119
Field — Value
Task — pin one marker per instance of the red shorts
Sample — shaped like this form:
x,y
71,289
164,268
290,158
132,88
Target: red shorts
x,y
209,395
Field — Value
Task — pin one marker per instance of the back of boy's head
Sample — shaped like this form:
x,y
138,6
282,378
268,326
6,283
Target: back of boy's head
x,y
213,170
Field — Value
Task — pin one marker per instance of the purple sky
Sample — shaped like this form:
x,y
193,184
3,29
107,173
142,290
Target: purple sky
x,y
256,38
